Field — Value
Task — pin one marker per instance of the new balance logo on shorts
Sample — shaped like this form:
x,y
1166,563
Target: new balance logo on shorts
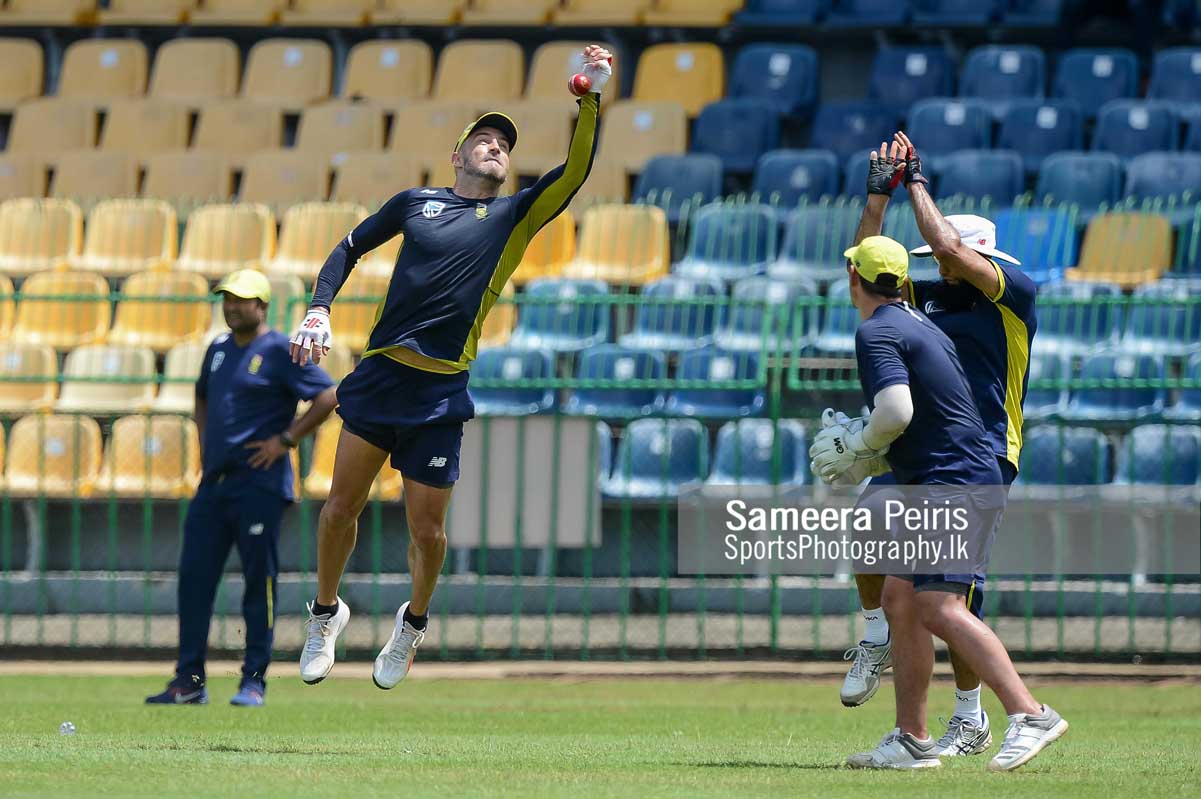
x,y
437,462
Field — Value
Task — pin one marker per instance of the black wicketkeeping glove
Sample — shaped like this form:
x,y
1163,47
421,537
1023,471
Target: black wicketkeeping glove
x,y
913,169
883,175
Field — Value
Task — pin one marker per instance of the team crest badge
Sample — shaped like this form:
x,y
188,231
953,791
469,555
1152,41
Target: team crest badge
x,y
481,212
255,363
218,357
432,208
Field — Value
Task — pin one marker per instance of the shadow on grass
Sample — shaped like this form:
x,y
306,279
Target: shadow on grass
x,y
252,749
761,764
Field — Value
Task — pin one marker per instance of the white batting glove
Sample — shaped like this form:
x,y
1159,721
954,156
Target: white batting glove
x,y
598,66
313,338
838,451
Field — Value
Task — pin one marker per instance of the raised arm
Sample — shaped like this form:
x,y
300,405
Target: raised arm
x,y
884,174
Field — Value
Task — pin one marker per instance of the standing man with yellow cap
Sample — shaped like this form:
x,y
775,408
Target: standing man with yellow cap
x,y
246,399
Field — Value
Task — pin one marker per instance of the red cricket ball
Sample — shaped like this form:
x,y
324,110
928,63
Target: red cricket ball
x,y
580,84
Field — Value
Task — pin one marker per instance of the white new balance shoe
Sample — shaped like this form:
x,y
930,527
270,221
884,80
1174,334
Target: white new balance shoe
x,y
320,636
1026,736
863,680
898,750
396,658
965,737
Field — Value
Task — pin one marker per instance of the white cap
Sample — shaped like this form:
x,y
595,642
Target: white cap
x,y
977,233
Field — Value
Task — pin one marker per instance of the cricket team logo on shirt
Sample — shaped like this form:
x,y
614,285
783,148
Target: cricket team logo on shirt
x,y
218,358
481,212
255,363
432,208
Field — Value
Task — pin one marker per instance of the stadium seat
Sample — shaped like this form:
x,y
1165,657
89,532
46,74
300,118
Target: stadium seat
x,y
1033,13
427,131
621,244
940,127
338,362
354,311
679,184
656,458
22,176
554,62
549,251
371,179
237,12
239,128
1156,454
903,75
708,366
22,76
956,13
1131,127
418,12
814,241
388,72
188,179
620,365
1121,393
1093,77
730,242
769,316
1173,180
691,13
145,126
145,12
785,179
999,74
53,456
607,184
1068,456
284,178
737,131
1176,75
40,13
1192,137
387,485
868,13
159,310
151,456
335,129
593,13
508,12
105,379
104,69
675,314
220,239
498,326
127,236
761,452
28,378
1125,248
546,127
1188,405
180,372
981,174
7,308
288,72
510,365
87,176
1164,319
470,69
308,234
52,125
1042,403
846,128
839,323
1188,250
557,315
637,131
37,235
175,77
1086,180
327,13
1042,239
1037,128
784,75
1075,319
691,74
776,13
289,302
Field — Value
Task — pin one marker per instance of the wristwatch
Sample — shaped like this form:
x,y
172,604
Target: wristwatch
x,y
287,440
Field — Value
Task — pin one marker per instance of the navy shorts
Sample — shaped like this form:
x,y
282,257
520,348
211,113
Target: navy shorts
x,y
415,416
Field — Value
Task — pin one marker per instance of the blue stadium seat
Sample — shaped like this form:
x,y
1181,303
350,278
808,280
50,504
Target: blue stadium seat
x,y
656,457
729,242
512,365
1086,180
1173,178
1053,455
749,325
1188,250
845,128
663,320
777,13
1192,136
677,183
712,365
868,13
785,178
785,75
1045,403
1164,320
815,239
760,452
999,74
1043,239
855,181
839,323
939,127
1033,13
1077,318
1132,127
1093,77
955,13
1176,75
996,174
737,131
1038,128
1188,406
1157,454
1129,399
568,324
604,451
611,362
903,75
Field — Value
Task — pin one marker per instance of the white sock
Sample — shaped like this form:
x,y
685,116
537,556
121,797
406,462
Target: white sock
x,y
876,631
967,705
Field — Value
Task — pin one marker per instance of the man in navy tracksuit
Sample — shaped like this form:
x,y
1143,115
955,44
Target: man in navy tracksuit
x,y
246,400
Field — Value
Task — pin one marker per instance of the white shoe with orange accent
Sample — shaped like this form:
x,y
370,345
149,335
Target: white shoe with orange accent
x,y
396,658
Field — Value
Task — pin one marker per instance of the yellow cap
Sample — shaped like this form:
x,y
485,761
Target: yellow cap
x,y
880,255
492,119
247,284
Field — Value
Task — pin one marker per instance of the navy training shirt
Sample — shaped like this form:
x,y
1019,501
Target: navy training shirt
x,y
252,393
945,442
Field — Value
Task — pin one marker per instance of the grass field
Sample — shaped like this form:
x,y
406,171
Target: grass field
x,y
535,738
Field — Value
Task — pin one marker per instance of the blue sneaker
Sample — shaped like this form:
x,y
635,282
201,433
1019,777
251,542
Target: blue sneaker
x,y
251,693
181,691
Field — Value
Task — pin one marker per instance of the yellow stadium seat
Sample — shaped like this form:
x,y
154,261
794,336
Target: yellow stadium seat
x,y
89,176
158,310
1125,248
428,131
508,12
635,131
53,455
180,372
281,178
151,456
145,126
389,71
498,325
238,12
470,69
335,129
690,74
308,233
102,379
289,302
551,249
28,378
52,125
626,245
553,65
545,127
601,12
49,12
21,78
386,486
22,176
418,12
7,308
127,236
290,72
338,362
36,235
62,309
104,69
691,13
353,312
188,179
607,183
371,179
327,13
175,77
146,12
220,239
239,128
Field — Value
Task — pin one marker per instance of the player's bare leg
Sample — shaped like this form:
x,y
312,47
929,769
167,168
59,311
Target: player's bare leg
x,y
873,655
